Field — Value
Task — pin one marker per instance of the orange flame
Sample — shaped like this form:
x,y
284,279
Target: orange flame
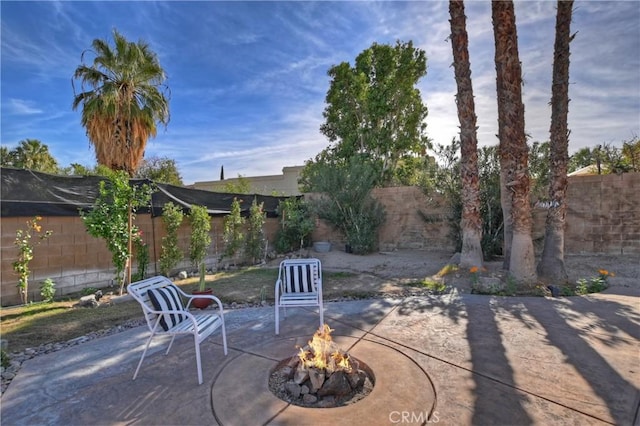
x,y
322,353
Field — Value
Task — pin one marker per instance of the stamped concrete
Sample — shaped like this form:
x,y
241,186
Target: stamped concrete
x,y
487,360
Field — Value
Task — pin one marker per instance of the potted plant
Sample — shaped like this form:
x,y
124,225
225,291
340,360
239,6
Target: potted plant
x,y
200,241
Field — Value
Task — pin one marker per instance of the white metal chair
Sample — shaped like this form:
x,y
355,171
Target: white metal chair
x,y
299,284
161,302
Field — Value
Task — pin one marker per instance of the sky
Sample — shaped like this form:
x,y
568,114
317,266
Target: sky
x,y
248,80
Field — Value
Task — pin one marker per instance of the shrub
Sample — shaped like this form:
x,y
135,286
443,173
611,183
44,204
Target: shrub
x,y
232,235
171,254
25,253
142,255
346,202
296,225
48,290
254,246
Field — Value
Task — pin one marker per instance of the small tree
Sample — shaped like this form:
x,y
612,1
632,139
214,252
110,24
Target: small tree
x,y
109,218
254,246
142,255
171,254
296,225
200,238
25,253
232,235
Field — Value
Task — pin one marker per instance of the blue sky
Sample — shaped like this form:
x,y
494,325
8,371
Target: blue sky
x,y
248,79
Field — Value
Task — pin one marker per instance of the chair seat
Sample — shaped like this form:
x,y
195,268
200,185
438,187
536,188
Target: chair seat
x,y
207,324
299,298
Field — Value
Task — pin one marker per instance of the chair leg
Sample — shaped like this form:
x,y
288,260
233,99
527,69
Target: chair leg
x,y
170,344
277,319
321,315
224,337
143,355
195,340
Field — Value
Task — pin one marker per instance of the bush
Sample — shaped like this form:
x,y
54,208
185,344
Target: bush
x,y
296,225
254,246
346,202
171,254
48,290
232,230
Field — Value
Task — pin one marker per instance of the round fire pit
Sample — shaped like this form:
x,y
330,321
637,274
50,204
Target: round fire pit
x,y
321,375
319,388
240,392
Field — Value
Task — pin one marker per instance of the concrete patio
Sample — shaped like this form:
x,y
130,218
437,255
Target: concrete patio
x,y
452,359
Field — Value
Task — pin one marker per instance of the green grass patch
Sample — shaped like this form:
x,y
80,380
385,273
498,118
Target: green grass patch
x,y
430,284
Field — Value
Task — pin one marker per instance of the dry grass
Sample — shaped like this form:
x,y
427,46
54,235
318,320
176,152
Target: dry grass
x,y
41,323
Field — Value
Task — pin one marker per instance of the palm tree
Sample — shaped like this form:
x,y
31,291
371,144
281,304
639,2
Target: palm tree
x,y
513,144
124,100
551,267
471,224
34,155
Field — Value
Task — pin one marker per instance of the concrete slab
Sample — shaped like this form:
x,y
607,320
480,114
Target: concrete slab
x,y
491,360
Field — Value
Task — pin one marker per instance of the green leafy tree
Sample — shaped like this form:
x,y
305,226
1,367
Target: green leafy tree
x,y
33,155
581,158
254,247
296,225
116,203
171,254
346,203
232,234
160,170
631,153
375,110
6,157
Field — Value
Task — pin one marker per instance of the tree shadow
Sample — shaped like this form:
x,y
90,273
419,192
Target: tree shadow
x,y
613,318
498,401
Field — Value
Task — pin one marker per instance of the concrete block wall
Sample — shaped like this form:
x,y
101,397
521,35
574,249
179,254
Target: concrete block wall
x,y
413,221
603,217
74,260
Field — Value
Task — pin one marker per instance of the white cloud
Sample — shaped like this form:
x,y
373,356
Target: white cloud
x,y
22,107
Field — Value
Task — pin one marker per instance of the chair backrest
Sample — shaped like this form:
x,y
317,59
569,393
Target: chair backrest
x,y
139,290
300,275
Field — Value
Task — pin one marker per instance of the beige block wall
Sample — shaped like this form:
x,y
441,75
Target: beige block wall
x,y
74,260
603,217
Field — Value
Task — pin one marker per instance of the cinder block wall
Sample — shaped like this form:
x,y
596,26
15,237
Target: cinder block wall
x,y
74,260
603,217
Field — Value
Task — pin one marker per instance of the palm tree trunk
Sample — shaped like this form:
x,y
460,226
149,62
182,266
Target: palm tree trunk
x,y
513,144
471,224
551,267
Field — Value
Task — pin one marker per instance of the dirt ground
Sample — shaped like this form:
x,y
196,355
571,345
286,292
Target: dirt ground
x,y
388,269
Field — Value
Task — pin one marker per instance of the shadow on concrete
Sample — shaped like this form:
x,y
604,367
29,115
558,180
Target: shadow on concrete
x,y
604,321
489,361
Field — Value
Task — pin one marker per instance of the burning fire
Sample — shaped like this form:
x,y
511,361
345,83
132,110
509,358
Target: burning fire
x,y
322,353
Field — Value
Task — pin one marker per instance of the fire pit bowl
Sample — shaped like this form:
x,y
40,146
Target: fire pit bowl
x,y
317,388
321,375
